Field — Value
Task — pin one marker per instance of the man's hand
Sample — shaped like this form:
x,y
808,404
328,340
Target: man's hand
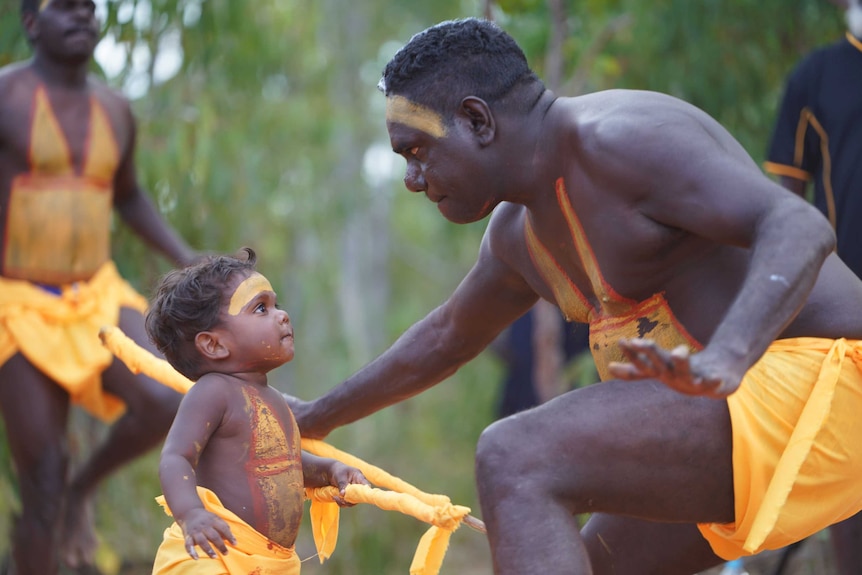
x,y
678,369
302,412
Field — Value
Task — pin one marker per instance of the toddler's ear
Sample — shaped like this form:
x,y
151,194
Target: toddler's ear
x,y
210,346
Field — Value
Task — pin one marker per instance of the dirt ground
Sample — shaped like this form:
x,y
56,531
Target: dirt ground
x,y
812,557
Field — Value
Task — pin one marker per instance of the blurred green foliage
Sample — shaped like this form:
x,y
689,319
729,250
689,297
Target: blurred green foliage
x,y
271,135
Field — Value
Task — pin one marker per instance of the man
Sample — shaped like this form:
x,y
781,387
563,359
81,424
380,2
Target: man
x,y
818,136
67,147
638,214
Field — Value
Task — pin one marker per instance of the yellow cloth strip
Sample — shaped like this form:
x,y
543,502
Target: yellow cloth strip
x,y
432,547
140,360
811,420
446,517
375,475
437,510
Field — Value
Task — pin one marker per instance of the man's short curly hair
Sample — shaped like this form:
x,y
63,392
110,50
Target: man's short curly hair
x,y
454,59
189,301
30,6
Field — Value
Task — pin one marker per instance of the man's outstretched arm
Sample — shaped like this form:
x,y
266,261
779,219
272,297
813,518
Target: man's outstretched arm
x,y
489,298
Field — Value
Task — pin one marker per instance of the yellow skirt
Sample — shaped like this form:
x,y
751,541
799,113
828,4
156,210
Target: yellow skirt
x,y
253,553
59,334
797,453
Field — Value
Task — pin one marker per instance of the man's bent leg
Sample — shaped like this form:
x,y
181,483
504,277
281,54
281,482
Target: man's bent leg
x,y
636,449
35,411
618,544
150,410
846,539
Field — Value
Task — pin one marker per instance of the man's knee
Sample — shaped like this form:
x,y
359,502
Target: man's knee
x,y
503,456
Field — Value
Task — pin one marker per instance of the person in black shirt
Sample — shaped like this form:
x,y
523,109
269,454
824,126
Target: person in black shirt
x,y
818,136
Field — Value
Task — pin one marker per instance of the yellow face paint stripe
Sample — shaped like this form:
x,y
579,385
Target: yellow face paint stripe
x,y
43,3
246,291
400,110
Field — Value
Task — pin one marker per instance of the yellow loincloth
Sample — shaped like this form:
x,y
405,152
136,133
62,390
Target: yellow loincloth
x,y
254,553
59,334
797,457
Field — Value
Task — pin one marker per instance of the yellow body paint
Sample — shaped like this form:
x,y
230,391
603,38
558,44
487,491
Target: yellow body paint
x,y
400,110
43,3
246,291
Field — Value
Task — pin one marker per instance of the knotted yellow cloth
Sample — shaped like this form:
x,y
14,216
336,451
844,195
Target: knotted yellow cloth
x,y
795,458
436,510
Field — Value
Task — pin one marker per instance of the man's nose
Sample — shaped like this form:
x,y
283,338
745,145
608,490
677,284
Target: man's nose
x,y
414,180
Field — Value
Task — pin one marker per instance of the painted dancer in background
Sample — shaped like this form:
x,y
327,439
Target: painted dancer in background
x,y
232,470
726,330
67,146
818,137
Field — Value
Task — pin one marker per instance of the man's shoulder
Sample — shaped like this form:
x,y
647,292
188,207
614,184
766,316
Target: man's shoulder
x,y
625,107
616,121
822,56
106,94
505,230
12,74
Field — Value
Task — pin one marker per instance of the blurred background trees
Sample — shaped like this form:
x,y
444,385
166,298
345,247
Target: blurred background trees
x,y
260,124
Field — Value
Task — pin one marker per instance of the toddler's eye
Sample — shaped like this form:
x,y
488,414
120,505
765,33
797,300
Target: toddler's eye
x,y
260,307
413,151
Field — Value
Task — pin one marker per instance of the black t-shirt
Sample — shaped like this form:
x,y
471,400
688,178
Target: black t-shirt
x,y
818,135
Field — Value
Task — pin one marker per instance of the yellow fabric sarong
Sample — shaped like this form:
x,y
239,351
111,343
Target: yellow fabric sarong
x,y
59,334
254,554
797,454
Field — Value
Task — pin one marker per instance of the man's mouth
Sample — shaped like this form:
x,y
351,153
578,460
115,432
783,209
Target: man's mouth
x,y
88,32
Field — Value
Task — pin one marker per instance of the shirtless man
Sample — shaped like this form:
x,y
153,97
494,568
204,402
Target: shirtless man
x,y
727,420
67,147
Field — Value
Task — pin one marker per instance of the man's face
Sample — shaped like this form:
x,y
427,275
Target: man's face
x,y
442,160
66,30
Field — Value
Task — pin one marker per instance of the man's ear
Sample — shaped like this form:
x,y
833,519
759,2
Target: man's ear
x,y
482,123
31,25
210,346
